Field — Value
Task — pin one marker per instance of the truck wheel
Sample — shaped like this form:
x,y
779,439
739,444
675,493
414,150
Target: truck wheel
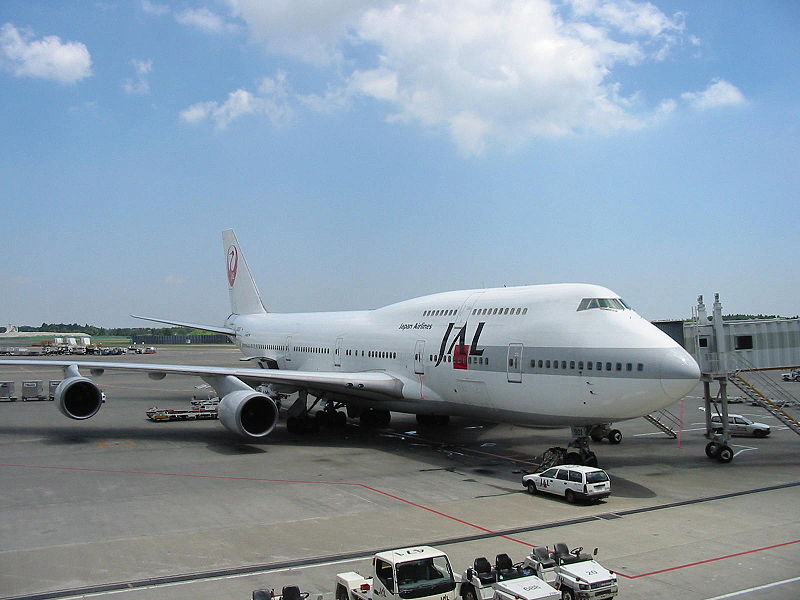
x,y
468,593
531,488
570,496
725,454
567,594
614,436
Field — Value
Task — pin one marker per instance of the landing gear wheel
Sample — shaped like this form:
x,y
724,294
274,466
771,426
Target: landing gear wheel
x,y
725,454
596,437
590,460
712,450
614,436
340,420
570,496
572,458
375,417
532,488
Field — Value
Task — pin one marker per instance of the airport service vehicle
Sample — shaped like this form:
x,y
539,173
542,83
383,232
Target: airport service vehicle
x,y
740,425
575,574
574,482
289,592
550,355
418,573
504,581
793,375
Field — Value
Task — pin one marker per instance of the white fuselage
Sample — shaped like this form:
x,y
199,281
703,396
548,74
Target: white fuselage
x,y
539,355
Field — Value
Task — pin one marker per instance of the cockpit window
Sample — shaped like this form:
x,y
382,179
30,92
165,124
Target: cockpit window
x,y
608,303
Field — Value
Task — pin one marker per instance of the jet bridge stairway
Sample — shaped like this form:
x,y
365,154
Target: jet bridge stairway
x,y
775,401
664,421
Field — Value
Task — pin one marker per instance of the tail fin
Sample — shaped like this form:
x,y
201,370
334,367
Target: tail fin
x,y
245,298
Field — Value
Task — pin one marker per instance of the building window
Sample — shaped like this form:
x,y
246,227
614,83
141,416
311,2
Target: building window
x,y
743,342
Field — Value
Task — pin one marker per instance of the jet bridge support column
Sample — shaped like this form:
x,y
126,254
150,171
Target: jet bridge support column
x,y
719,445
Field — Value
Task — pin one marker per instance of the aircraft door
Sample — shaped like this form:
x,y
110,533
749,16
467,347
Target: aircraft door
x,y
514,364
419,353
337,353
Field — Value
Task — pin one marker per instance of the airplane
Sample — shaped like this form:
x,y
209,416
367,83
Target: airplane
x,y
551,355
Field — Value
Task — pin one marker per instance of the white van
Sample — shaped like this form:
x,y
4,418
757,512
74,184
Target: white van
x,y
574,482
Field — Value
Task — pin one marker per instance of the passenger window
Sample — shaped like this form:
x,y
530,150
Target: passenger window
x,y
599,366
639,367
505,311
524,311
589,365
555,364
608,366
550,473
563,364
572,364
533,364
575,477
540,364
619,366
629,367
563,475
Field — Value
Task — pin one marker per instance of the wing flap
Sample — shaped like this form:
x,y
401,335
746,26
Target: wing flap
x,y
211,328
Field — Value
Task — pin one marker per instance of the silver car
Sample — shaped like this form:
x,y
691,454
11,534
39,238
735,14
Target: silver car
x,y
739,425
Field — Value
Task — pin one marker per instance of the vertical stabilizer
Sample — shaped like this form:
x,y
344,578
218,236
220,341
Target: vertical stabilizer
x,y
245,298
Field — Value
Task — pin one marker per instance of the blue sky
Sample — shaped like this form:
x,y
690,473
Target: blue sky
x,y
368,151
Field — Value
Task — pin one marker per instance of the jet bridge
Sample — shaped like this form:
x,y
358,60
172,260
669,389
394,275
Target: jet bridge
x,y
740,352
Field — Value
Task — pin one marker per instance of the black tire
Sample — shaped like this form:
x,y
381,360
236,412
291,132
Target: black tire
x,y
567,594
532,488
712,450
572,458
570,496
590,460
292,425
468,593
596,437
614,436
760,433
725,455
340,420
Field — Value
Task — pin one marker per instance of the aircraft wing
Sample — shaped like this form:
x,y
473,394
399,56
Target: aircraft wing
x,y
333,381
211,328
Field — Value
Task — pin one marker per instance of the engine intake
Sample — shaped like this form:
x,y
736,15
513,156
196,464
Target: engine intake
x,y
78,398
248,413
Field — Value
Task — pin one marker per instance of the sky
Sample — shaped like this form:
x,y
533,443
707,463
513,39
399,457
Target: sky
x,y
368,152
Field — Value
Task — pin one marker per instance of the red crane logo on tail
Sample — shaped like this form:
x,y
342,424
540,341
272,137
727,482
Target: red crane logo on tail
x,y
233,264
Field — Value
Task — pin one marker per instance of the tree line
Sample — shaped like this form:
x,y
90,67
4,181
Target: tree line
x,y
93,331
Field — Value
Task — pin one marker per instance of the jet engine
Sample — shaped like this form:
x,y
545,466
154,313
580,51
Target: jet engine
x,y
78,398
248,413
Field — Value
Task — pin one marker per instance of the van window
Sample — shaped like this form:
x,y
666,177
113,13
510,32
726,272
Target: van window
x,y
563,474
575,476
596,477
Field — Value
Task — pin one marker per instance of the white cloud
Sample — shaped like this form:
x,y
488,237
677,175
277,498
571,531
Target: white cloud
x,y
718,93
271,100
204,20
151,8
140,85
45,58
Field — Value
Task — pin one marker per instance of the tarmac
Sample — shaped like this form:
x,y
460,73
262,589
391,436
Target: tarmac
x,y
121,507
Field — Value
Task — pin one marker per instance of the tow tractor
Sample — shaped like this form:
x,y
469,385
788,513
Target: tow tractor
x,y
289,592
577,575
419,573
504,581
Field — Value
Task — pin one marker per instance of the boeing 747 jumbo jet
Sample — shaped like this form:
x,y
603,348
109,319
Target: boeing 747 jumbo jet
x,y
551,355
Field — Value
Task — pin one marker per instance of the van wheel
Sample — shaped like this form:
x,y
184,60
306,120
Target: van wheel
x,y
570,496
531,488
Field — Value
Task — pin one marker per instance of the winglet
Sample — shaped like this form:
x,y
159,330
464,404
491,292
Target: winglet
x,y
245,297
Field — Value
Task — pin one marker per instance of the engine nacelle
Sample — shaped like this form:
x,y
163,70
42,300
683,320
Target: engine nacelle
x,y
248,413
78,398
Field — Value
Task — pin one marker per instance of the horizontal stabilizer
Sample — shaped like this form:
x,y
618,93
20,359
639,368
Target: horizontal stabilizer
x,y
211,328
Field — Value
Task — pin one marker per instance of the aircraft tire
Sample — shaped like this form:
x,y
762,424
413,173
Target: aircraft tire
x,y
590,460
614,436
572,458
712,450
725,455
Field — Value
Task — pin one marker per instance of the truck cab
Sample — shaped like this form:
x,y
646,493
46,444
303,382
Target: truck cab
x,y
418,573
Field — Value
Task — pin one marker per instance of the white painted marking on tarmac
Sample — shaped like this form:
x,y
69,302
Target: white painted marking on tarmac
x,y
662,433
746,448
213,578
755,589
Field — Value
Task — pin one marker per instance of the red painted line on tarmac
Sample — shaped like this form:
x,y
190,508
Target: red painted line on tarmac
x,y
708,560
394,497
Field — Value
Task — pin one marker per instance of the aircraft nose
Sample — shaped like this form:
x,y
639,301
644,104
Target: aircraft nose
x,y
679,373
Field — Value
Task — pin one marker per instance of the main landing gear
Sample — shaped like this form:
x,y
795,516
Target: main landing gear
x,y
578,451
300,420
